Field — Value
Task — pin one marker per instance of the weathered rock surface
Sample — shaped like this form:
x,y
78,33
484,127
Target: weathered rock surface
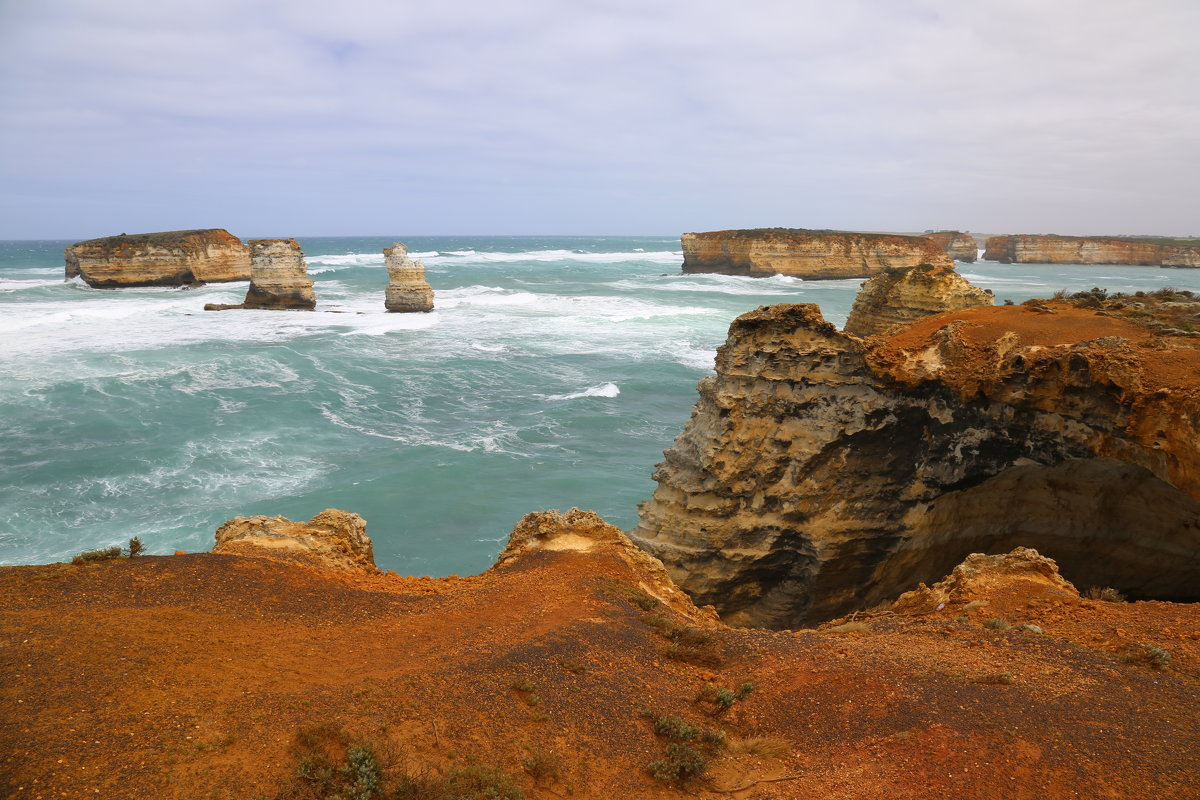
x,y
278,278
980,575
811,255
822,473
407,288
332,539
899,296
169,258
959,246
1038,249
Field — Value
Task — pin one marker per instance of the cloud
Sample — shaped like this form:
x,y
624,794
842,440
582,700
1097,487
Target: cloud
x,y
655,116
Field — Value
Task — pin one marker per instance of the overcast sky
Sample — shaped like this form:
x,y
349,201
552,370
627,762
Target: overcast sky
x,y
320,117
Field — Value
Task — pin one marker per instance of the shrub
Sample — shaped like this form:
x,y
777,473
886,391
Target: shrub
x,y
995,623
689,644
136,548
744,690
1106,593
522,684
543,764
88,556
636,596
1158,657
672,727
724,698
474,782
681,762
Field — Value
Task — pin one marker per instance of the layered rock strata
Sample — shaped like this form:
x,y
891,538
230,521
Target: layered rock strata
x,y
1031,249
812,255
169,258
899,296
959,246
822,473
407,288
332,539
278,278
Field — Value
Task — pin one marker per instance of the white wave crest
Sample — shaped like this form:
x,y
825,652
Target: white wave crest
x,y
603,390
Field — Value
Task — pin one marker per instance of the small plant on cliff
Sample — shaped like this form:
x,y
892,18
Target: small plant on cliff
x,y
997,624
89,556
136,548
1152,656
760,746
636,596
681,762
689,644
1107,594
542,764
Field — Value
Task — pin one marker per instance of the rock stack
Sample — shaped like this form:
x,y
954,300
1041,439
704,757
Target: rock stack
x,y
167,258
903,295
407,288
278,278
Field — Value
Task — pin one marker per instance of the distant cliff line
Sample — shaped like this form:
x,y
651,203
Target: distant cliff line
x,y
1113,250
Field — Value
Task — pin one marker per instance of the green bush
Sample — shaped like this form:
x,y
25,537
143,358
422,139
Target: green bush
x,y
88,556
681,762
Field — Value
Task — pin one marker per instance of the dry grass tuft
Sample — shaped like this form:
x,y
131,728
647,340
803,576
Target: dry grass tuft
x,y
760,746
850,627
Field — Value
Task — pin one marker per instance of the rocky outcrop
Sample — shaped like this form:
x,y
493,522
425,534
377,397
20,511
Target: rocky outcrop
x,y
407,288
332,539
278,280
812,255
959,246
822,473
979,576
170,258
1031,249
899,296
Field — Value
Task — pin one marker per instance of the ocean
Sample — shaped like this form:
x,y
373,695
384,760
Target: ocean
x,y
552,373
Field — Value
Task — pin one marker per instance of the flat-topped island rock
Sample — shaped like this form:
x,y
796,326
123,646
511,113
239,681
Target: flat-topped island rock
x,y
166,258
808,254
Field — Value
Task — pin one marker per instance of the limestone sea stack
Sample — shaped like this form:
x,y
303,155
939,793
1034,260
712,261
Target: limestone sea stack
x,y
407,288
903,295
1128,251
821,473
167,258
959,246
278,278
808,254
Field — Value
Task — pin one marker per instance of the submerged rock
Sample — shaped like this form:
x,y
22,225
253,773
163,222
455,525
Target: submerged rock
x,y
278,280
805,253
168,258
407,288
332,539
821,473
903,295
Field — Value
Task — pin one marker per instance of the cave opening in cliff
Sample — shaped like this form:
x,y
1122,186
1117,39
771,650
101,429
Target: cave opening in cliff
x,y
1106,522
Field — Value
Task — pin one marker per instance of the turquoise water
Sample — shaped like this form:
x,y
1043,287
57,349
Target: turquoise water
x,y
552,374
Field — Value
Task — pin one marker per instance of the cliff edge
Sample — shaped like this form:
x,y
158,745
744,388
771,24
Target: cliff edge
x,y
808,254
1128,251
821,473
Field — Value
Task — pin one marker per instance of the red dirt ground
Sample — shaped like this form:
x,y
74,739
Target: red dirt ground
x,y
189,677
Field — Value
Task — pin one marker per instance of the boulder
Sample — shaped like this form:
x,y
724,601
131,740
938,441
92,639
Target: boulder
x,y
899,296
332,539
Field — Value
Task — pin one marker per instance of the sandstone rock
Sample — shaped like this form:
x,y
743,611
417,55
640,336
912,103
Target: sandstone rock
x,y
407,288
331,540
1049,249
170,258
980,575
903,295
804,253
822,473
278,280
959,246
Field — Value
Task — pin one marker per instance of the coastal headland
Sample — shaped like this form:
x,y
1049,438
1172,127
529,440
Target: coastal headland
x,y
808,254
1052,249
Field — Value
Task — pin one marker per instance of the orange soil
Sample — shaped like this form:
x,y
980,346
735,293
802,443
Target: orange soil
x,y
188,677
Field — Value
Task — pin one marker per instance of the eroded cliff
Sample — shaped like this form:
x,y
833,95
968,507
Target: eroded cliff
x,y
169,258
899,296
959,246
821,473
278,278
407,288
1050,249
808,254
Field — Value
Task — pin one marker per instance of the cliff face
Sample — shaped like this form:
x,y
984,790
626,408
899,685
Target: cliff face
x,y
959,246
278,278
821,473
900,296
407,288
170,258
1029,249
811,255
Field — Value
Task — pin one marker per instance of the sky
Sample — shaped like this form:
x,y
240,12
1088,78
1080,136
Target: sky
x,y
374,117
